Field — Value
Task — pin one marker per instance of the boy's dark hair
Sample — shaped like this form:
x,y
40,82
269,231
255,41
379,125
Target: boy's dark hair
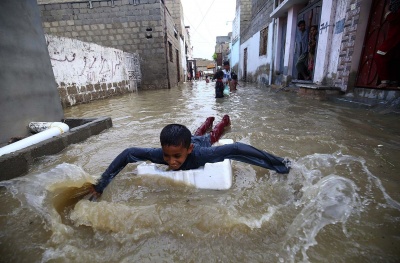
x,y
226,63
233,75
301,22
218,75
175,135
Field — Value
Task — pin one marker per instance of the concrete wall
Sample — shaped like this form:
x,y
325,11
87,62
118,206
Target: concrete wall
x,y
258,67
131,26
28,89
173,38
260,18
176,10
86,71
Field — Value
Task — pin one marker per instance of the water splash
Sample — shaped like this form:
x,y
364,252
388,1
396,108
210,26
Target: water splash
x,y
328,196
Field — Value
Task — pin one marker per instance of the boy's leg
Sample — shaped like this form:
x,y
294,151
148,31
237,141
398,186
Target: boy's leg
x,y
205,126
216,133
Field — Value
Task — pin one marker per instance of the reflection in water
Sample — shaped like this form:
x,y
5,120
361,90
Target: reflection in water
x,y
340,202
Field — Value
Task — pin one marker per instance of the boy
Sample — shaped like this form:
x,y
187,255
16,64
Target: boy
x,y
219,85
227,73
234,82
182,151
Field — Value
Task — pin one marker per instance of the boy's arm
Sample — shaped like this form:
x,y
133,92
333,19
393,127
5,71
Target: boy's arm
x,y
243,153
130,155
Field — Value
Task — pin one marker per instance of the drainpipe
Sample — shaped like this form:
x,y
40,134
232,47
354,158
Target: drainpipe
x,y
47,131
272,66
166,42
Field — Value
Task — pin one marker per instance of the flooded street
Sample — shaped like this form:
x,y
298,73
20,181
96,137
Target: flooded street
x,y
339,203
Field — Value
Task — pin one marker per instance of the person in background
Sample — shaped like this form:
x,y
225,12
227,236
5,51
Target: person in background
x,y
219,85
387,56
227,74
302,51
234,82
312,45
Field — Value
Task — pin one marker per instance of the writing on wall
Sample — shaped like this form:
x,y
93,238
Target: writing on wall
x,y
83,63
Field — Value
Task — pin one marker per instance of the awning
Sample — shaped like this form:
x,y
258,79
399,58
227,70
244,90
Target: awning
x,y
209,66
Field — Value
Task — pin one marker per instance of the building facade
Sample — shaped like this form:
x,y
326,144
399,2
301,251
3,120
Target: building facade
x,y
342,37
144,27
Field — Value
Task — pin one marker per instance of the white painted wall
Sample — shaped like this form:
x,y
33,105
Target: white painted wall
x,y
254,60
183,59
235,40
83,63
290,40
325,39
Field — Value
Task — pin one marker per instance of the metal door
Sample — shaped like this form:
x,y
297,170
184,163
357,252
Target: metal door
x,y
375,34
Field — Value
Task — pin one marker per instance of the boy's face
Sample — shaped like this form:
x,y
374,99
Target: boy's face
x,y
227,67
175,156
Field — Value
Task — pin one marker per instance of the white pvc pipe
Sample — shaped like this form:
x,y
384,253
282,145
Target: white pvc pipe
x,y
56,128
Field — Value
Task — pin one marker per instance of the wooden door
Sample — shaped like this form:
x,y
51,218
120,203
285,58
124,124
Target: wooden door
x,y
375,34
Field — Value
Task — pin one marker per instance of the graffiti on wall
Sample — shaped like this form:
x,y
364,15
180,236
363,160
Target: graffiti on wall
x,y
85,63
133,67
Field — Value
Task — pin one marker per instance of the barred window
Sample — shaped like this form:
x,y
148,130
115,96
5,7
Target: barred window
x,y
263,41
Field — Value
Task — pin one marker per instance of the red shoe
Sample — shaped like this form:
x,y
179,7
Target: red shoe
x,y
204,127
218,130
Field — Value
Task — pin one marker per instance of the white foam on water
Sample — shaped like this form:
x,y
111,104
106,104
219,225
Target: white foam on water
x,y
327,198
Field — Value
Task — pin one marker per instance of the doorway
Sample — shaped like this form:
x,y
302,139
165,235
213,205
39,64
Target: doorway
x,y
178,70
375,34
245,64
311,15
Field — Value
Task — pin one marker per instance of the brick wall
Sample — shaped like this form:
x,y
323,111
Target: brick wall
x,y
245,15
344,75
133,28
261,9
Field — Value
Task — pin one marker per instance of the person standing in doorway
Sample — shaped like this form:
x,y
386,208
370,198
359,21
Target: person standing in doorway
x,y
312,45
302,51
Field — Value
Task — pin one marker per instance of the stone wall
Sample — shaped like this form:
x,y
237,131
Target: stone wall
x,y
28,91
86,71
344,70
129,25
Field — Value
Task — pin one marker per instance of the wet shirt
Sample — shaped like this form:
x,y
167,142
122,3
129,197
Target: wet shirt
x,y
202,153
302,42
227,76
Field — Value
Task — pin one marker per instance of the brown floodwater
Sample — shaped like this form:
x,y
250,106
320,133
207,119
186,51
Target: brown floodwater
x,y
339,203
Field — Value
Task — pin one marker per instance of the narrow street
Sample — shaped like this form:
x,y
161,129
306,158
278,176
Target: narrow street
x,y
339,203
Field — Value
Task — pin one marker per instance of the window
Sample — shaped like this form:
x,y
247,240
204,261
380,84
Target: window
x,y
171,55
263,41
